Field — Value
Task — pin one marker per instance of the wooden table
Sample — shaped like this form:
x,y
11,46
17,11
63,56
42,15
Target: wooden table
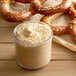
x,y
63,62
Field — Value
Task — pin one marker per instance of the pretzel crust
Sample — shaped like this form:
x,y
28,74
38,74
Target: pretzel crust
x,y
57,30
72,29
29,1
12,16
72,10
39,8
24,1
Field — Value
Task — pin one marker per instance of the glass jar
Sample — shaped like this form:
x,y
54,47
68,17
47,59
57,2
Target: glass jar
x,y
33,56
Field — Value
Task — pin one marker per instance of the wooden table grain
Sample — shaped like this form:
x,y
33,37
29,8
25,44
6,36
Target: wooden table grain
x,y
63,61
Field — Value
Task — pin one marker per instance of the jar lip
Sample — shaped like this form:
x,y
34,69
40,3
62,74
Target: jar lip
x,y
30,45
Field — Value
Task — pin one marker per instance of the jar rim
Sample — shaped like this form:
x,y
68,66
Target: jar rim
x,y
24,43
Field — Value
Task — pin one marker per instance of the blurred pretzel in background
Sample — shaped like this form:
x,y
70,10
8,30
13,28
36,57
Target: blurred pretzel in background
x,y
13,16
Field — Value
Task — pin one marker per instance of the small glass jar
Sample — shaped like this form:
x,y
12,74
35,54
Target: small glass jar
x,y
32,56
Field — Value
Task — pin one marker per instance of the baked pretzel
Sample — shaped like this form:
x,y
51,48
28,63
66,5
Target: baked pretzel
x,y
13,16
39,8
72,29
56,29
72,10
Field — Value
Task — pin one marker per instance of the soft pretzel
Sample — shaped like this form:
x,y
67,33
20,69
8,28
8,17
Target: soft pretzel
x,y
13,16
56,29
39,8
